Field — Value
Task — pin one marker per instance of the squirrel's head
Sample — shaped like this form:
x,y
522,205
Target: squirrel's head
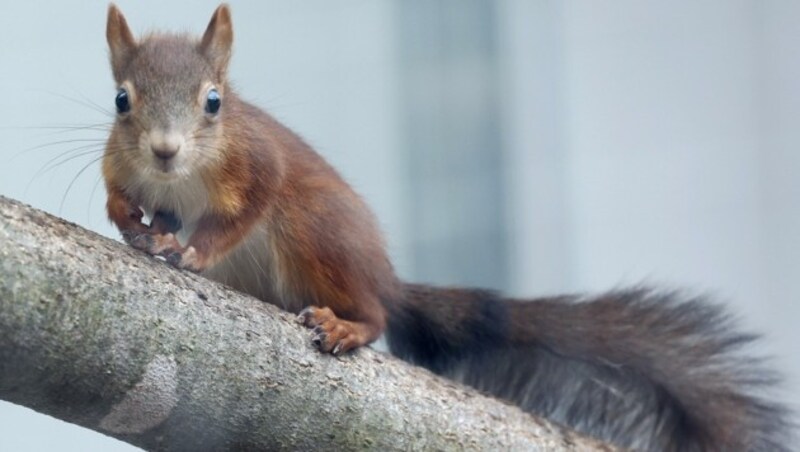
x,y
170,96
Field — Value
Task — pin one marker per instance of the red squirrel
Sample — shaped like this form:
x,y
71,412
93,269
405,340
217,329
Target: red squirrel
x,y
240,198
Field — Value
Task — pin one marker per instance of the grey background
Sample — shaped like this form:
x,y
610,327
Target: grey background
x,y
535,147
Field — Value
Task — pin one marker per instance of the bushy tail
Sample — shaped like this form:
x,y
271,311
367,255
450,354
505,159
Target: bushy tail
x,y
638,368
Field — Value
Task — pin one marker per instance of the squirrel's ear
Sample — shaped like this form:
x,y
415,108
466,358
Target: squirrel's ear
x,y
218,39
119,37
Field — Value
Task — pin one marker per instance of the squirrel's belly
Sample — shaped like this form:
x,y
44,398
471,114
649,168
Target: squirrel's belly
x,y
251,268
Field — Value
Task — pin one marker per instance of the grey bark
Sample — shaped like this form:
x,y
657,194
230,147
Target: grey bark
x,y
100,335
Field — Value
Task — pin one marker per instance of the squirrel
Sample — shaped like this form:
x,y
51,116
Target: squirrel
x,y
236,196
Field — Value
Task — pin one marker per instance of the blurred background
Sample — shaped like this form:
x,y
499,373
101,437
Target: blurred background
x,y
536,147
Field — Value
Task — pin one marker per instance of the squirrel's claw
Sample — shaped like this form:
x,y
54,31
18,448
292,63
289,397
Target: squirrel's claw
x,y
188,259
153,244
330,334
143,242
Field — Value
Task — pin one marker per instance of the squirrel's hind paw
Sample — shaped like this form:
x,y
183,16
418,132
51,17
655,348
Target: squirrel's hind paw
x,y
330,333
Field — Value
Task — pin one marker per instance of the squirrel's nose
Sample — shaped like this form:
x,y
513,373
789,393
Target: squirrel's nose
x,y
165,153
165,145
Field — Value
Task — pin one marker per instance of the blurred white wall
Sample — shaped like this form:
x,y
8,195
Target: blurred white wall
x,y
641,140
669,154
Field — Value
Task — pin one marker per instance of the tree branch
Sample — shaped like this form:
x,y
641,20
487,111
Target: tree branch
x,y
100,335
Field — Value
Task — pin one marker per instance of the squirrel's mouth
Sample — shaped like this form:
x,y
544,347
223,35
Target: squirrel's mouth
x,y
165,167
164,171
167,171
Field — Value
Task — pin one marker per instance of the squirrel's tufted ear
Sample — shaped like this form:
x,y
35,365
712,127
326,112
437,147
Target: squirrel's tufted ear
x,y
120,39
218,39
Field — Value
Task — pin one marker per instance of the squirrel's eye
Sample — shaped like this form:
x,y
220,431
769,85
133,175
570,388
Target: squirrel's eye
x,y
213,102
123,104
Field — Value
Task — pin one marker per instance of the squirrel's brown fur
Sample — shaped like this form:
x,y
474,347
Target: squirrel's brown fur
x,y
260,178
237,196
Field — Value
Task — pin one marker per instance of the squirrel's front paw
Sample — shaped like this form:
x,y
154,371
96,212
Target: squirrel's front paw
x,y
154,244
188,259
168,247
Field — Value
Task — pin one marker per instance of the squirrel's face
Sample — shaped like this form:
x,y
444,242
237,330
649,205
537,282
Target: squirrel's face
x,y
169,106
170,98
